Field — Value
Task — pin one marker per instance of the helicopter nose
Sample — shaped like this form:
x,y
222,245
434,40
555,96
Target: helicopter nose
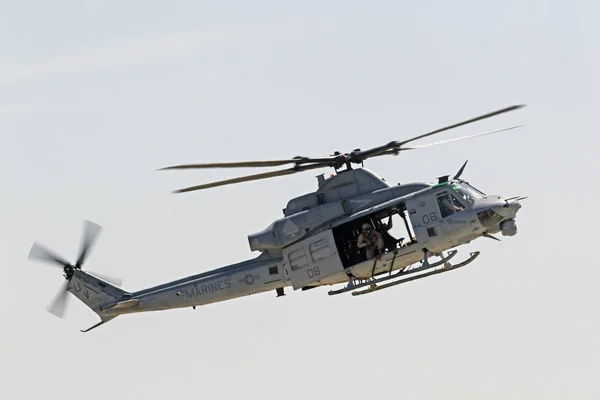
x,y
516,206
509,210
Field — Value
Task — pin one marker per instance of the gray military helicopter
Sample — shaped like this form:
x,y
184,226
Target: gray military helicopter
x,y
315,243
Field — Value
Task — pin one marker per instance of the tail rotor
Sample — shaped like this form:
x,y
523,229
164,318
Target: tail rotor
x,y
40,253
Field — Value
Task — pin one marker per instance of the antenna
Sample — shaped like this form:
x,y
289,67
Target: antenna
x,y
320,179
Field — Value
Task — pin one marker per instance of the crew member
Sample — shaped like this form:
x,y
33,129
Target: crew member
x,y
371,241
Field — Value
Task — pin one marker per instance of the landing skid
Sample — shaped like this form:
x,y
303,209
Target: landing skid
x,y
425,266
374,287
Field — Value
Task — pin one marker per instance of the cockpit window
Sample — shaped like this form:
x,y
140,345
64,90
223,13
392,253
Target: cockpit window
x,y
448,204
458,206
468,193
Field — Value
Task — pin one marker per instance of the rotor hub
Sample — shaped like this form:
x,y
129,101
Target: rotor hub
x,y
69,270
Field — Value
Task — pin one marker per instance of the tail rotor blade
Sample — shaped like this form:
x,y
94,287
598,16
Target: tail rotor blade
x,y
41,253
110,279
59,304
90,233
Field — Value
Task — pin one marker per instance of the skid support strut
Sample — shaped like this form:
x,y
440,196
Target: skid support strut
x,y
424,266
447,267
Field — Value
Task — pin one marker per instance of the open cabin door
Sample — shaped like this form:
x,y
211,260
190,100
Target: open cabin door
x,y
312,260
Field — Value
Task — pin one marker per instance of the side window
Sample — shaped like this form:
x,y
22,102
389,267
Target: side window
x,y
319,250
298,259
445,204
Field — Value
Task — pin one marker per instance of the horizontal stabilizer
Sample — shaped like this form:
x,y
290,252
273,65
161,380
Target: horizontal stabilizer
x,y
124,304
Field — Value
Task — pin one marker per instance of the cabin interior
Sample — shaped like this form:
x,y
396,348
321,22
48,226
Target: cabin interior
x,y
395,235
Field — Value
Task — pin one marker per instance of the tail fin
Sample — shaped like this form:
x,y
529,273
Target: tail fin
x,y
102,297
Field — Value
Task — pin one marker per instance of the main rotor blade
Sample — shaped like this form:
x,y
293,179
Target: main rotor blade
x,y
90,233
395,147
462,138
255,177
40,253
59,304
234,164
259,163
470,121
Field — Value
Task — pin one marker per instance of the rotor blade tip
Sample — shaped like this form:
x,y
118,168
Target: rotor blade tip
x,y
92,224
171,167
31,249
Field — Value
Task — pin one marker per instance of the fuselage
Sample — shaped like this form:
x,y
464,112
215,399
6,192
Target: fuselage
x,y
322,257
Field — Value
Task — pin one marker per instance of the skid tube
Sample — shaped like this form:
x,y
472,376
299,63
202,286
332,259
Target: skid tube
x,y
375,288
403,272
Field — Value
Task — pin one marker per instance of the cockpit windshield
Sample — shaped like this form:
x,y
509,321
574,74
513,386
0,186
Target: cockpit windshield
x,y
467,192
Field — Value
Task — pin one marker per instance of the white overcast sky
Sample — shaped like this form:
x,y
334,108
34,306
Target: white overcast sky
x,y
95,96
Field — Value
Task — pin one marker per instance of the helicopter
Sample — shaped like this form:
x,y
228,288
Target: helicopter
x,y
316,242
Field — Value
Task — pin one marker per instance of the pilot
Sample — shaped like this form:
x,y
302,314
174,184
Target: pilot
x,y
450,207
459,207
456,206
371,241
